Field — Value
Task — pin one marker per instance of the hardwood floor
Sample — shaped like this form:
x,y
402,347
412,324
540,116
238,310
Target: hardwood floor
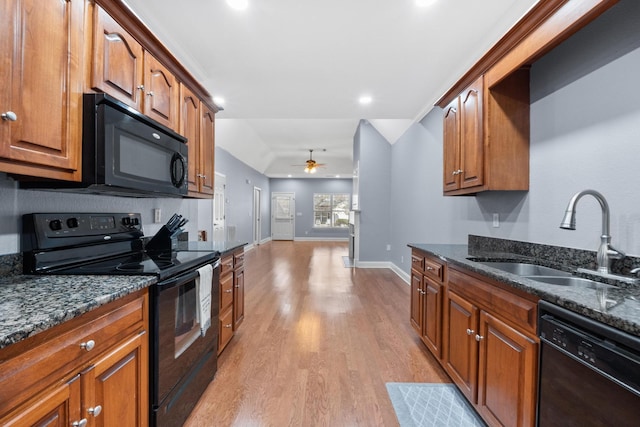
x,y
318,343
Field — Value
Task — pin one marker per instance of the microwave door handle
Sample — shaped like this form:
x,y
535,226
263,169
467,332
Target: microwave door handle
x,y
178,170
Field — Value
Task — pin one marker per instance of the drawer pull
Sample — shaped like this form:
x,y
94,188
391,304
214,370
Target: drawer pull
x,y
9,116
430,268
81,423
228,290
88,345
470,331
479,338
95,411
228,326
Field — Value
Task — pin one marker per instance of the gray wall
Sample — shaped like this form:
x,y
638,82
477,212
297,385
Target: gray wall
x,y
304,189
585,133
374,153
241,179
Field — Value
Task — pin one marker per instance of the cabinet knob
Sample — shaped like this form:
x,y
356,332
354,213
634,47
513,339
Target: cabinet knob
x,y
470,331
81,423
479,338
429,268
9,116
150,93
237,286
228,325
141,87
95,411
88,345
228,290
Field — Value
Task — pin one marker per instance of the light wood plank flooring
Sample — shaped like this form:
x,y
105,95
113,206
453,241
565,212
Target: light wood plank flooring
x,y
318,343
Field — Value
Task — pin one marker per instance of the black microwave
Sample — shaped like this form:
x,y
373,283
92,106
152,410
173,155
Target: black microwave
x,y
126,153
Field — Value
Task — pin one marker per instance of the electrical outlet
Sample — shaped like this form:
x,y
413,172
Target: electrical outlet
x,y
388,247
496,220
157,215
401,260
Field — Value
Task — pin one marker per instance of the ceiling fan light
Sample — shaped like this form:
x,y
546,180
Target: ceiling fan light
x,y
313,170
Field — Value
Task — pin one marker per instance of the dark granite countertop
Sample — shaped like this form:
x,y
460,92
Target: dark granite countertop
x,y
31,304
624,315
221,246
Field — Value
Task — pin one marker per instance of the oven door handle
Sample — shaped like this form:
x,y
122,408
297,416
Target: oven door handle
x,y
183,278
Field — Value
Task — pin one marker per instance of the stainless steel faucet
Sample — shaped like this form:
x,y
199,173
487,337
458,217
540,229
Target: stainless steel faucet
x,y
606,252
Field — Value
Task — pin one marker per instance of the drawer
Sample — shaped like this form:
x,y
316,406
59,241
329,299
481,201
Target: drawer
x,y
67,348
417,262
226,292
238,259
226,264
225,329
434,268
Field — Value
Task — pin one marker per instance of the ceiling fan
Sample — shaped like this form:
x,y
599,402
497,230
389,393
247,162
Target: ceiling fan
x,y
311,165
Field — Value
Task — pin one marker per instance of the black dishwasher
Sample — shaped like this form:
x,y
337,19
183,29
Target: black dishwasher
x,y
589,372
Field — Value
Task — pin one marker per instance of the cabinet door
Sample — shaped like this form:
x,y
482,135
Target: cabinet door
x,y
432,327
190,128
207,147
117,61
238,298
471,136
118,384
416,301
462,348
57,407
41,74
507,374
161,91
451,147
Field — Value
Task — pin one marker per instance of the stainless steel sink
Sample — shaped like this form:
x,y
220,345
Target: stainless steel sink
x,y
571,281
525,269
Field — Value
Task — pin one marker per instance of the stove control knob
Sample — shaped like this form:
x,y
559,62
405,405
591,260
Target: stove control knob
x,y
126,221
135,221
55,224
72,222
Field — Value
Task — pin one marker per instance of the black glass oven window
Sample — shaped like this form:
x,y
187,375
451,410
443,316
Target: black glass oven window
x,y
187,324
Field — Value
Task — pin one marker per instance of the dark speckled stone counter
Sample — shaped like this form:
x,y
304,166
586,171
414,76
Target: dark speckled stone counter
x,y
625,315
217,246
31,304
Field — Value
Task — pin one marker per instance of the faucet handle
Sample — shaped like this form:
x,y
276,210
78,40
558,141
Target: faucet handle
x,y
635,271
615,253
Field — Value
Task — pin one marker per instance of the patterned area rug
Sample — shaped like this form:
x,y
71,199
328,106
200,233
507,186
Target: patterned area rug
x,y
433,405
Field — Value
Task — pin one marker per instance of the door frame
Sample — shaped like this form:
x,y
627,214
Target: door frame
x,y
257,215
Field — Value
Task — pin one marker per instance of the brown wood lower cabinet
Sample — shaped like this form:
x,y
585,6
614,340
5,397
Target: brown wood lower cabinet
x,y
231,296
92,368
491,349
483,333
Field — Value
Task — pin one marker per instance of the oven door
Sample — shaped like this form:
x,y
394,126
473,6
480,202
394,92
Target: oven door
x,y
177,342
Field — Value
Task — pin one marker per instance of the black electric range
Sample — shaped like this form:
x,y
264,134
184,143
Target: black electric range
x,y
97,243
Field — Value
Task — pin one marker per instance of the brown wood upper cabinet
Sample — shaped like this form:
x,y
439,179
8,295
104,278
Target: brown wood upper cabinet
x,y
197,123
486,137
41,57
123,69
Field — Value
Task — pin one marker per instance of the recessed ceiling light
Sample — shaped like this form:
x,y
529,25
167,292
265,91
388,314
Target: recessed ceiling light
x,y
289,176
425,3
218,100
365,100
337,176
238,4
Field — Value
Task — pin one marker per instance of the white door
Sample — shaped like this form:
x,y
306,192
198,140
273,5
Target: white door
x,y
257,228
218,207
283,207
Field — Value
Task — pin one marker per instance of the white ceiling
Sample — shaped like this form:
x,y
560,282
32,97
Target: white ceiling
x,y
291,71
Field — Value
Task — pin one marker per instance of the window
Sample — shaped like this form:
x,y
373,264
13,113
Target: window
x,y
331,210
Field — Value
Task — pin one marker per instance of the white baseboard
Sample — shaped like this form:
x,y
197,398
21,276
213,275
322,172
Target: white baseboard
x,y
321,239
401,273
372,264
